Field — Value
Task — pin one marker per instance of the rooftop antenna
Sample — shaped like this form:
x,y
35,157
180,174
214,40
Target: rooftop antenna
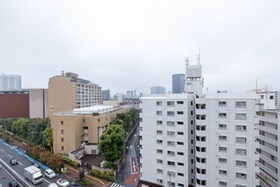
x,y
198,56
187,61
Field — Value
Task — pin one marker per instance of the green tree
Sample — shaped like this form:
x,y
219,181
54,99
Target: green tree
x,y
47,138
112,142
82,175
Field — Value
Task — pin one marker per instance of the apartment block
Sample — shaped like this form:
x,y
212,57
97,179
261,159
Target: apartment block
x,y
10,82
164,140
269,132
81,128
68,91
226,140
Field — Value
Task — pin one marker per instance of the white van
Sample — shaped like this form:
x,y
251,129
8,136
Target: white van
x,y
49,173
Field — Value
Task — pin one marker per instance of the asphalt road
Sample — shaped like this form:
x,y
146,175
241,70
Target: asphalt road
x,y
6,153
5,176
131,164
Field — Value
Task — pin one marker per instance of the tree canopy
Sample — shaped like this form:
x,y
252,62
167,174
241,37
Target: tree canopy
x,y
112,142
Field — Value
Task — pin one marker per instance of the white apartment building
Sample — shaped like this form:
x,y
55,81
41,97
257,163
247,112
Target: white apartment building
x,y
226,140
10,82
164,140
269,132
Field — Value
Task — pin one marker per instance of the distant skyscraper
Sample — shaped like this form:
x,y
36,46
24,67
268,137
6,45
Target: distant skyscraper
x,y
129,93
178,83
158,90
10,82
106,95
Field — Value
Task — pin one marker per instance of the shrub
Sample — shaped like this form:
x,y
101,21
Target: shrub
x,y
107,165
87,183
105,175
70,162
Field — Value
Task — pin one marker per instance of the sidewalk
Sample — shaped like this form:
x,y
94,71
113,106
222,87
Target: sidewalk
x,y
73,174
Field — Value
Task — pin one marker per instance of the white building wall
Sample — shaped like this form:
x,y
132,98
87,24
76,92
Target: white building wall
x,y
164,140
10,82
218,161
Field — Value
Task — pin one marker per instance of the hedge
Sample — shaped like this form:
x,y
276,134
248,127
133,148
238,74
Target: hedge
x,y
70,162
105,175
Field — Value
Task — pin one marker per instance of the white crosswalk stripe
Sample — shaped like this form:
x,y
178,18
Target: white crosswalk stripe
x,y
116,185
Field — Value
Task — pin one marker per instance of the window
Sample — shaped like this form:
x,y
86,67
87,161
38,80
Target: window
x,y
241,128
241,175
180,122
171,153
171,184
223,149
222,103
242,152
62,148
222,160
191,122
159,131
191,112
222,115
170,113
239,185
223,138
159,103
170,103
271,97
171,143
222,126
159,113
159,181
180,133
180,164
240,116
180,143
180,102
159,141
159,170
240,104
159,161
170,123
180,153
170,133
180,174
180,112
222,183
222,172
170,163
180,185
62,131
241,140
159,122
61,122
159,151
171,173
62,139
241,163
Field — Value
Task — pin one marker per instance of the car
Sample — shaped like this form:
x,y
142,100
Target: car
x,y
13,184
52,185
13,161
62,182
36,164
49,173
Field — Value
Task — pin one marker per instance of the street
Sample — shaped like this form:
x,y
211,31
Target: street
x,y
129,172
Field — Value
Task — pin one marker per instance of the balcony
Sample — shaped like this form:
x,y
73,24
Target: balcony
x,y
268,171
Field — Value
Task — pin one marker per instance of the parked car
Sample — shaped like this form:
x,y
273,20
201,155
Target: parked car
x,y
52,185
62,182
49,173
13,184
13,161
36,164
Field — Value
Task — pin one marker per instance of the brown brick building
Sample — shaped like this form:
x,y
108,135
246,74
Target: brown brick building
x,y
14,104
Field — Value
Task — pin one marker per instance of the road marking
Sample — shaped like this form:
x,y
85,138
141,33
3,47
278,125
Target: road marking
x,y
2,150
10,155
46,181
20,164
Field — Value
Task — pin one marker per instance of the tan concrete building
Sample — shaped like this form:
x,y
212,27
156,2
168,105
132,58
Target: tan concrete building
x,y
68,91
81,129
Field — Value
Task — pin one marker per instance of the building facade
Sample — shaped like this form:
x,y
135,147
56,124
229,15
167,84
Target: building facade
x,y
38,103
157,90
68,91
268,163
14,104
225,140
106,95
81,128
10,82
164,140
178,83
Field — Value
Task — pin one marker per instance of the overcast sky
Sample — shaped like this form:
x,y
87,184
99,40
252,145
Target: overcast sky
x,y
133,45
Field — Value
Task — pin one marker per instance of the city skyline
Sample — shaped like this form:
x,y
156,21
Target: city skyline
x,y
117,46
